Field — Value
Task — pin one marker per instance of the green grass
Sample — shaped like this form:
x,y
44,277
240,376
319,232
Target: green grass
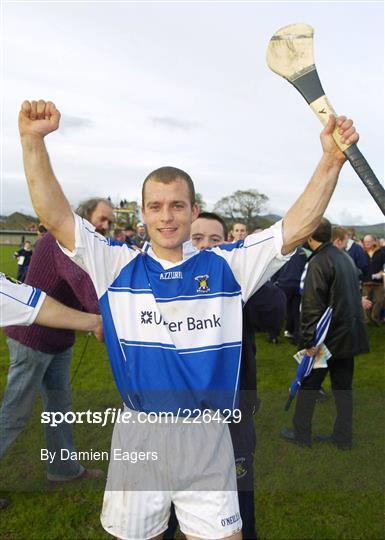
x,y
320,493
8,263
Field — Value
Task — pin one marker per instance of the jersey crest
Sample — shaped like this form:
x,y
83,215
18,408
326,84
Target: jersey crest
x,y
203,283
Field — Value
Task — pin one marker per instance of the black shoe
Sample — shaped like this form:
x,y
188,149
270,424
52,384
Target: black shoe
x,y
4,503
324,439
345,447
289,436
329,439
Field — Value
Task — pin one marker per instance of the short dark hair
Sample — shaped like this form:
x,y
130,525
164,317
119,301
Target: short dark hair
x,y
323,232
167,175
86,208
215,217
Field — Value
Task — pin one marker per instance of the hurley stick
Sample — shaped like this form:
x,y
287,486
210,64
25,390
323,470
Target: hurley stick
x,y
290,54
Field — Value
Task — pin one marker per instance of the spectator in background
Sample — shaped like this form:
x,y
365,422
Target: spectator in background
x,y
23,256
238,231
210,230
40,357
340,237
119,235
352,233
140,237
267,311
373,285
288,279
129,235
264,311
41,230
357,252
331,280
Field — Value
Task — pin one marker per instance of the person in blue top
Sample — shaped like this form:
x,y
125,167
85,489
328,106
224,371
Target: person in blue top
x,y
172,320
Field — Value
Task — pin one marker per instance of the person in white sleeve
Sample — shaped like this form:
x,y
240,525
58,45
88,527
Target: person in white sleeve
x,y
172,318
23,305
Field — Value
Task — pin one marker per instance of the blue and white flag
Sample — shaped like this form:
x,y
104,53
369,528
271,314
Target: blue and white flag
x,y
307,362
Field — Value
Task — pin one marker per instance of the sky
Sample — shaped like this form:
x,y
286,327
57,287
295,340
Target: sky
x,y
146,84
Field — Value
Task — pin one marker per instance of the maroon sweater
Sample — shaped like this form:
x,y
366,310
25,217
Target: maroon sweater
x,y
59,277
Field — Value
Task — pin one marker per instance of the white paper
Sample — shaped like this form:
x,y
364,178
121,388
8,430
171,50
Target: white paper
x,y
321,359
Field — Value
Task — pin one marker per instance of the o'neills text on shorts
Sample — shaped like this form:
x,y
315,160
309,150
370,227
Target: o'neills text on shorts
x,y
93,455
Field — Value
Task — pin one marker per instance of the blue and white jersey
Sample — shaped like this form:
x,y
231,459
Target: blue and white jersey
x,y
174,330
19,303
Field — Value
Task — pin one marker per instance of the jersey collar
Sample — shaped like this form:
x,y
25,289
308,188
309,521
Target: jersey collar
x,y
188,250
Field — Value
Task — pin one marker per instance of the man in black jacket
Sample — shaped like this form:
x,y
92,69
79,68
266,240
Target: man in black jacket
x,y
331,280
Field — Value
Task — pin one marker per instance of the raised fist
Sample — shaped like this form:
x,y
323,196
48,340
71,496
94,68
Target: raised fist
x,y
38,118
347,132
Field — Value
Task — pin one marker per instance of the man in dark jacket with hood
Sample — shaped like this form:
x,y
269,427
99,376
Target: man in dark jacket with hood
x,y
331,280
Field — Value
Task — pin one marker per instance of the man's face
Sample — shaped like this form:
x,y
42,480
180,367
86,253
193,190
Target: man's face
x,y
168,215
206,233
141,230
102,218
368,241
341,244
239,231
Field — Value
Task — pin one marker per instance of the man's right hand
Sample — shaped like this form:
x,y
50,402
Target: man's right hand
x,y
38,118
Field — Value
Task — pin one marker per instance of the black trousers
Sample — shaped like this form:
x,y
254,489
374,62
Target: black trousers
x,y
341,375
293,298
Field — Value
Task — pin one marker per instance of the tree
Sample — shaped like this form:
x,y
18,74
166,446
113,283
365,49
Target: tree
x,y
242,205
199,200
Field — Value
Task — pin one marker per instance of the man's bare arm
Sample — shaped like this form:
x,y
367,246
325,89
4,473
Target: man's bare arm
x,y
36,120
56,315
305,214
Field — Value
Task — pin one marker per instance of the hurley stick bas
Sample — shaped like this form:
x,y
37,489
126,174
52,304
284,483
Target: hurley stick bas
x,y
290,55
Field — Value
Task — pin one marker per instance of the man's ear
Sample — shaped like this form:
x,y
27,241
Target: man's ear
x,y
195,211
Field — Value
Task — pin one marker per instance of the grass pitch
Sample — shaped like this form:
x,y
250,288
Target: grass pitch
x,y
321,493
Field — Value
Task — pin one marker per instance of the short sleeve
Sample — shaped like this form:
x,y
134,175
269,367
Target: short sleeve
x,y
19,303
100,257
255,259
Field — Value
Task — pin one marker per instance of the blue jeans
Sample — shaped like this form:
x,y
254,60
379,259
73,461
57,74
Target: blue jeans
x,y
29,372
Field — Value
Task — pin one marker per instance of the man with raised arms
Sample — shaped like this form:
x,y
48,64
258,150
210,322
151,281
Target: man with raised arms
x,y
172,320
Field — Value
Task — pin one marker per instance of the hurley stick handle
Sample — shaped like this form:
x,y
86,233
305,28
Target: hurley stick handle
x,y
323,109
290,55
362,168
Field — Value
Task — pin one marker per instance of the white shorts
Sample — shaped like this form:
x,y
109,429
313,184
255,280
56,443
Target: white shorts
x,y
154,465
